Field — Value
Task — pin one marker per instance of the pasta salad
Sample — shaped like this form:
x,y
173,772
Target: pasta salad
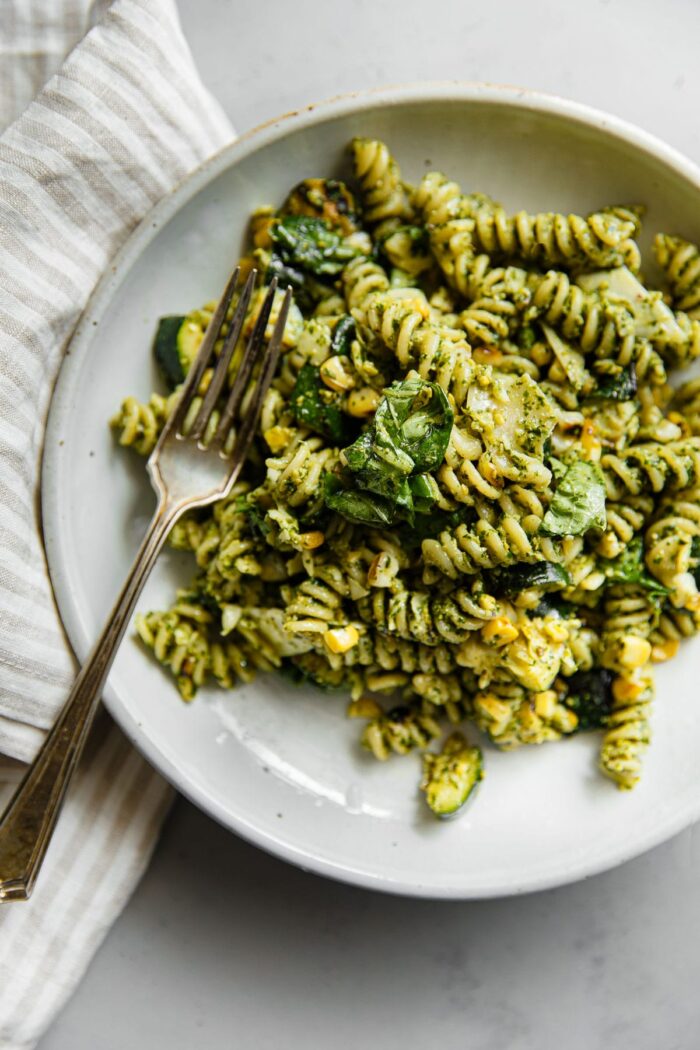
x,y
473,504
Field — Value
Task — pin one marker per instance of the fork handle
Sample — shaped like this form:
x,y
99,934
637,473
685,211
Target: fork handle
x,y
28,822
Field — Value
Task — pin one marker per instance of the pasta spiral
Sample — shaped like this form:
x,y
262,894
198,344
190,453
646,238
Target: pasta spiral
x,y
652,467
628,733
669,543
680,262
140,423
553,240
383,193
415,615
361,278
434,352
595,325
401,730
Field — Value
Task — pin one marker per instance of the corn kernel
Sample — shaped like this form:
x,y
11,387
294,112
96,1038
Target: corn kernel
x,y
693,604
341,639
278,438
591,445
499,631
556,631
363,402
545,703
665,651
489,472
365,707
311,540
634,652
487,355
335,375
625,689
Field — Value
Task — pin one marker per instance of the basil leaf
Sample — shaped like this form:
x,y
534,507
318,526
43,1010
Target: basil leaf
x,y
364,508
311,244
310,408
417,417
629,567
578,503
409,435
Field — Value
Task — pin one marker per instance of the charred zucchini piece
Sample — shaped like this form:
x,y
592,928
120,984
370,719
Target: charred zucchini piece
x,y
175,347
343,335
311,244
620,387
590,697
312,405
450,777
327,199
546,575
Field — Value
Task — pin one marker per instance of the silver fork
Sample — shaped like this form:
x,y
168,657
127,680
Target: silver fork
x,y
185,473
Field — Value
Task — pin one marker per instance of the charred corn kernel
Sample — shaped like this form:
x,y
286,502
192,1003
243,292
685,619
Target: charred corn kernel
x,y
487,355
278,438
626,689
382,570
365,707
488,471
634,652
378,683
311,540
545,703
665,650
556,631
499,631
363,402
341,639
335,373
591,445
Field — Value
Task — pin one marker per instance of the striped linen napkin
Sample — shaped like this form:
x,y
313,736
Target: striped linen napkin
x,y
120,123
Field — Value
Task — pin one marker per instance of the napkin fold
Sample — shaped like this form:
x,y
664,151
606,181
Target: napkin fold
x,y
118,126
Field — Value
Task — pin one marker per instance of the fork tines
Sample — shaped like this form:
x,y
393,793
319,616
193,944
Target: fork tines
x,y
258,351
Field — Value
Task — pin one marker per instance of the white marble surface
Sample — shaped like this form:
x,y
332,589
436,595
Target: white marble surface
x,y
223,946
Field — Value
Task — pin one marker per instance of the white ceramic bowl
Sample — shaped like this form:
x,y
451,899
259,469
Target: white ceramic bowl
x,y
281,766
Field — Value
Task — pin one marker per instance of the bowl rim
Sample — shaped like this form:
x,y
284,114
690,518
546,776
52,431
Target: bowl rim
x,y
249,142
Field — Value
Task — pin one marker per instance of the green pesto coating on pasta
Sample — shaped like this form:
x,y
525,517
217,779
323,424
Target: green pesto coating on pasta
x,y
472,497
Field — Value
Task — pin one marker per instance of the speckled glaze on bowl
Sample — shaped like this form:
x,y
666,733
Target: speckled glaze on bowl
x,y
281,765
